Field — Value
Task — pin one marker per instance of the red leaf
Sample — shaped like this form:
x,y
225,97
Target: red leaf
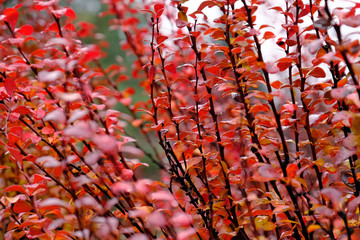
x,y
196,33
160,39
25,30
14,117
290,42
13,138
85,29
18,131
15,134
39,178
30,158
10,85
159,9
22,206
35,233
52,27
69,27
15,188
317,72
47,130
39,114
15,153
276,84
30,135
39,7
11,17
277,8
70,13
229,134
268,35
171,68
291,170
213,70
210,30
22,110
152,72
284,63
91,55
18,6
39,53
259,108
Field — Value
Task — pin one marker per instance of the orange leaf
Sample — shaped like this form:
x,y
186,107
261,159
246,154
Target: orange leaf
x,y
317,72
284,63
276,84
268,35
291,170
351,180
260,108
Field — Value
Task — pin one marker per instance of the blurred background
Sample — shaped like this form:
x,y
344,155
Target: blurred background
x,y
88,11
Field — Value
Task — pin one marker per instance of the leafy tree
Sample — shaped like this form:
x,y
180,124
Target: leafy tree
x,y
247,148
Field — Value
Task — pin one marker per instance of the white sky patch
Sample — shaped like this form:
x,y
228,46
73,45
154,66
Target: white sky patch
x,y
271,52
264,15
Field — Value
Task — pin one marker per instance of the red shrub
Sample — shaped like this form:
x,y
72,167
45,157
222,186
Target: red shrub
x,y
250,142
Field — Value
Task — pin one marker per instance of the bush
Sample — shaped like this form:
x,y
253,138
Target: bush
x,y
246,145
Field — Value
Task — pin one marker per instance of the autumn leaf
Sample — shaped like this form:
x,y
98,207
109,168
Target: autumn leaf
x,y
317,72
25,30
10,85
11,17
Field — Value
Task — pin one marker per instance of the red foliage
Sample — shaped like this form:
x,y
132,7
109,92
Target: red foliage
x,y
248,146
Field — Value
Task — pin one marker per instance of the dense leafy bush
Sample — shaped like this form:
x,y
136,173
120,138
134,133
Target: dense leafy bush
x,y
246,146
